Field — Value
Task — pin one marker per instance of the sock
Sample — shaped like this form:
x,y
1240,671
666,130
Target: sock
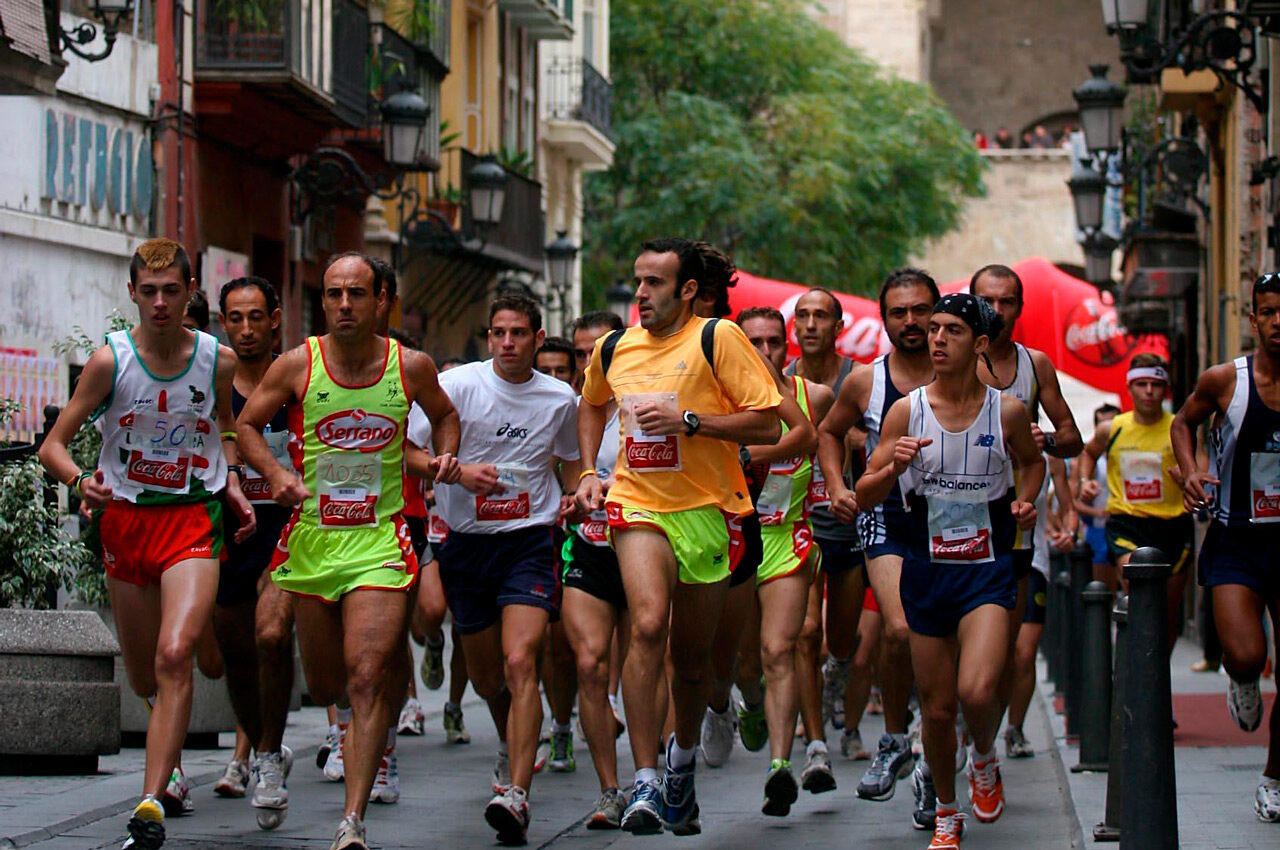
x,y
646,774
815,746
678,757
333,730
502,748
945,809
344,717
558,728
983,758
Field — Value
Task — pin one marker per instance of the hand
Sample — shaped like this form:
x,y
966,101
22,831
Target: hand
x,y
242,509
1175,472
94,492
480,478
568,508
844,505
1062,541
287,488
905,451
590,495
448,470
1090,490
1024,514
1194,497
659,419
1039,435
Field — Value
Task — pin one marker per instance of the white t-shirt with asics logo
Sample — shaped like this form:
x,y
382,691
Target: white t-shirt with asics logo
x,y
520,429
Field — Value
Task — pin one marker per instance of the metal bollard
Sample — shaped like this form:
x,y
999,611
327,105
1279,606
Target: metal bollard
x,y
1080,567
1052,622
1095,699
1062,601
1149,820
1109,829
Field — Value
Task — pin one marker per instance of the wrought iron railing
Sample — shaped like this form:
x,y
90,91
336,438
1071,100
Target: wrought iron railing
x,y
576,91
521,230
350,62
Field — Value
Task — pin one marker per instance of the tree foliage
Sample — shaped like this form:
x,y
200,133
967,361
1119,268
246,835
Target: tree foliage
x,y
749,124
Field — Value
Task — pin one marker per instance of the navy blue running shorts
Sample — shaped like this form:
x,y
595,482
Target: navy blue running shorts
x,y
936,597
1244,555
839,556
1037,599
484,573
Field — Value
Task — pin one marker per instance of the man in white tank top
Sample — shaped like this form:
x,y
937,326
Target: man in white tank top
x,y
161,395
951,443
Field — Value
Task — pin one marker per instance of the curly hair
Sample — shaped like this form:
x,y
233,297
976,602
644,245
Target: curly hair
x,y
702,262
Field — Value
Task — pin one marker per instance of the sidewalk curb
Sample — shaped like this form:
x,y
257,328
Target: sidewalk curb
x,y
1060,769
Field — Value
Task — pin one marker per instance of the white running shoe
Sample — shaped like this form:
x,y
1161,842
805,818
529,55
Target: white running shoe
x,y
719,728
271,795
177,796
350,835
1244,702
543,752
508,814
411,719
386,785
851,745
234,781
1267,801
334,768
501,773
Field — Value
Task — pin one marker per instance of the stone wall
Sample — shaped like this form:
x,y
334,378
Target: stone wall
x,y
892,33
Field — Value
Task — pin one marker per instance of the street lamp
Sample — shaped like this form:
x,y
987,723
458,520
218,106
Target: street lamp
x,y
488,184
1098,248
404,122
1101,105
560,255
619,298
110,13
1124,14
1088,188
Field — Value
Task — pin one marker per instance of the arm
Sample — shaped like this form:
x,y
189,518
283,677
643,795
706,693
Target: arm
x,y
1066,436
1204,401
1063,523
800,439
749,427
891,458
446,426
1026,454
283,383
842,416
226,370
591,421
91,391
1087,464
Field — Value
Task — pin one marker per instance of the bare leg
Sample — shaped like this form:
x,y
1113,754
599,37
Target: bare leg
x,y
523,627
695,614
724,652
234,626
1024,672
809,667
589,623
1015,622
562,685
783,602
935,671
457,670
863,668
273,637
896,655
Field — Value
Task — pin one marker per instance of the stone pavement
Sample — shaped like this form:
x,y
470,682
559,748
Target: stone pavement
x,y
1218,765
444,790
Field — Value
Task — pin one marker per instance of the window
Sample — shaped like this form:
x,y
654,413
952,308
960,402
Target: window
x,y
472,108
511,113
589,32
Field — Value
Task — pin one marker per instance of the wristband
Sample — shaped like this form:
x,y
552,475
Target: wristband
x,y
71,482
238,469
587,472
230,435
76,486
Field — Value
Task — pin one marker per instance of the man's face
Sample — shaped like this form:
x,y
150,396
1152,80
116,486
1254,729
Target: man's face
x,y
769,338
816,324
350,304
1148,395
1265,319
584,342
1002,294
906,316
557,364
250,328
161,297
659,296
512,342
952,345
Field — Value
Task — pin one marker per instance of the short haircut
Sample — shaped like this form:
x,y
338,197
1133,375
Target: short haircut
x,y
372,262
261,284
763,313
157,255
198,309
522,304
702,262
1269,282
388,274
556,345
598,319
837,308
1105,410
907,276
1148,358
998,271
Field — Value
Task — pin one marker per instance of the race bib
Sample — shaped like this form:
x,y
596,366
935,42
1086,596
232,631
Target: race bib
x,y
1264,486
512,503
255,487
160,451
775,496
817,496
1143,476
959,531
595,529
349,485
643,452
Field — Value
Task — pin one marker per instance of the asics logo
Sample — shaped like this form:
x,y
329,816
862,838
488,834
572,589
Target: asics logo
x,y
511,432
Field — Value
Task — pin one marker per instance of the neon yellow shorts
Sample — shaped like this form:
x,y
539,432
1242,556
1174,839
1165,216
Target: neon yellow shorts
x,y
788,549
699,537
328,564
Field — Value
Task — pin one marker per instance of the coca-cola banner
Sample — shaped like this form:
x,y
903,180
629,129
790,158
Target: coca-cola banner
x,y
1065,317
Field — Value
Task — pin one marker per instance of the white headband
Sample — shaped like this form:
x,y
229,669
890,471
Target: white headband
x,y
1157,373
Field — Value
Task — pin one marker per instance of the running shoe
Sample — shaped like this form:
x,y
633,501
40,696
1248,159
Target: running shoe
x,y
543,752
177,796
925,813
892,761
1267,801
508,814
561,760
433,664
501,773
322,752
455,731
948,831
234,781
851,745
963,740
780,789
411,718
875,701
386,783
271,794
718,731
752,727
146,827
608,811
680,799
835,679
1244,702
986,791
643,815
915,735
1016,745
817,776
350,835
334,768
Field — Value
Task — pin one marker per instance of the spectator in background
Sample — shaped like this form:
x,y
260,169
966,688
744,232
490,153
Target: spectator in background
x,y
1042,138
1003,138
980,140
196,317
1026,139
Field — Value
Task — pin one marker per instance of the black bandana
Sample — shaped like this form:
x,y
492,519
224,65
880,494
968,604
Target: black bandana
x,y
973,311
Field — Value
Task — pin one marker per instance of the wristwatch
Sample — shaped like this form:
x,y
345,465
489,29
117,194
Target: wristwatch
x,y
1050,442
691,423
744,456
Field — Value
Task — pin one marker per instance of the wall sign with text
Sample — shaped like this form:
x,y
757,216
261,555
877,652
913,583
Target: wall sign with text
x,y
92,165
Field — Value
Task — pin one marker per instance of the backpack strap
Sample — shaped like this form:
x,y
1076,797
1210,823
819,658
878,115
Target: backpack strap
x,y
607,347
709,342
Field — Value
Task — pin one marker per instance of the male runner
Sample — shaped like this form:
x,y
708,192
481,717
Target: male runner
x,y
1145,502
1095,509
160,394
1239,557
253,617
345,554
907,296
555,359
497,565
688,396
785,577
952,443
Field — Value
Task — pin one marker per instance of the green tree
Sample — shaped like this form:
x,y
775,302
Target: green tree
x,y
750,125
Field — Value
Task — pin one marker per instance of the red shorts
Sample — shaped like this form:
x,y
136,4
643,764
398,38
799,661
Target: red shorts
x,y
141,542
869,602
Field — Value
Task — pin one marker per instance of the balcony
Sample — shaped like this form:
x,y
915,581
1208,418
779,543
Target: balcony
x,y
516,241
577,106
545,20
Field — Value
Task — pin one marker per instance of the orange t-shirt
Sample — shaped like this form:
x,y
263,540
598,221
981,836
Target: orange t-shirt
x,y
677,473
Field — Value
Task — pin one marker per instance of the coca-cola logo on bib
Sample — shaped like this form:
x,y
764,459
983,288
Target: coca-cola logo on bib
x,y
642,454
357,430
497,510
1264,505
158,473
342,512
1094,334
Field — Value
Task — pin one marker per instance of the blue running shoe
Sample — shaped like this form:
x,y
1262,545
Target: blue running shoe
x,y
680,801
643,815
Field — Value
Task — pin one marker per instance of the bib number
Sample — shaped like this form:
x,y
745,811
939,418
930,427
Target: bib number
x,y
510,504
1143,477
1264,486
645,452
959,531
349,486
775,497
160,451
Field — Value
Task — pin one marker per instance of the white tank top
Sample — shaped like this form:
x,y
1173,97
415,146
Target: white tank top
x,y
160,441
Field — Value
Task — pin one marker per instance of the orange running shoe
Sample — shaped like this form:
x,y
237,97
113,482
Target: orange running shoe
x,y
947,830
986,791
